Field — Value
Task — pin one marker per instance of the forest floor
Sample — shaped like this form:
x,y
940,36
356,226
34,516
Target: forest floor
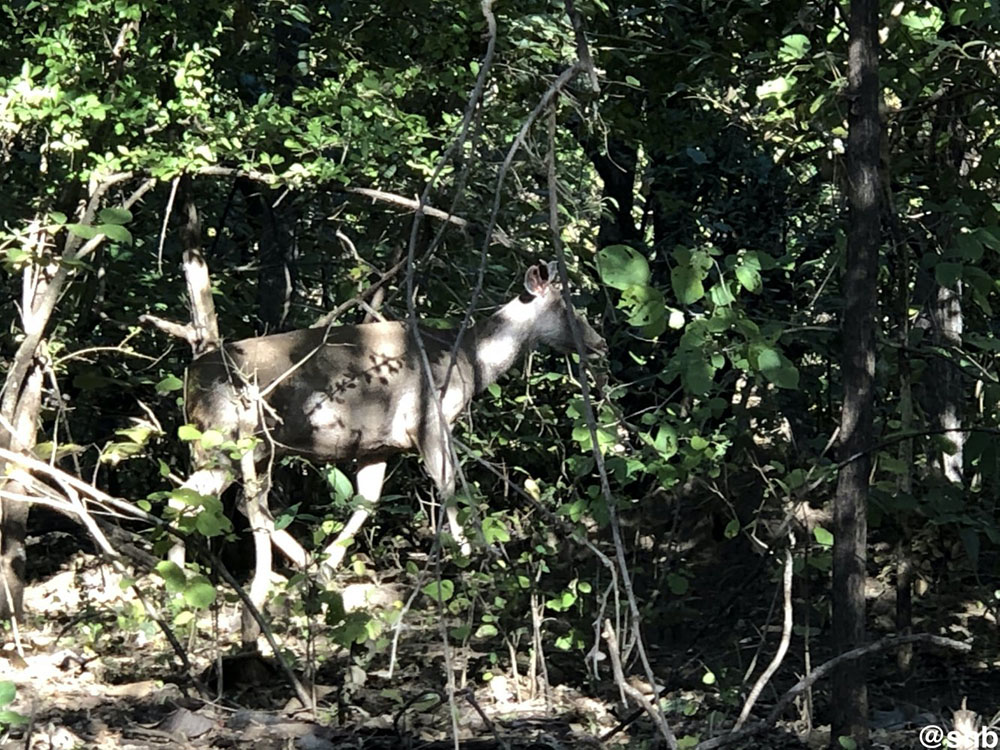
x,y
98,673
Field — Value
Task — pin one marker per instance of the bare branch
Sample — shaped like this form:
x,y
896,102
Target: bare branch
x,y
889,642
786,637
182,331
582,48
166,220
410,203
632,692
330,317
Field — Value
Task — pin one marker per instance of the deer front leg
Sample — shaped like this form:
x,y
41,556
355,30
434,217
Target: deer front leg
x,y
262,526
369,481
438,461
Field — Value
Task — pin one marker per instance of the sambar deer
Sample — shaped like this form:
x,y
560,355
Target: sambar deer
x,y
360,393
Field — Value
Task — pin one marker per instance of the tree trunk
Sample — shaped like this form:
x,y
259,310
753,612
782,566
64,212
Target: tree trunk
x,y
199,282
19,416
850,695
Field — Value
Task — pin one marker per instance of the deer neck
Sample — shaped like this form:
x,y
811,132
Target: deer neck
x,y
502,340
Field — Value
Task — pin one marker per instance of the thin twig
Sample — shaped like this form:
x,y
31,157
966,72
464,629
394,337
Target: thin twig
x,y
786,638
166,220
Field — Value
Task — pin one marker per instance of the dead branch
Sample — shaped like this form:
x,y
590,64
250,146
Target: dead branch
x,y
410,203
180,330
889,642
455,147
328,318
786,637
631,691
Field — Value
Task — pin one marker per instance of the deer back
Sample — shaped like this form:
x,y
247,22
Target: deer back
x,y
333,394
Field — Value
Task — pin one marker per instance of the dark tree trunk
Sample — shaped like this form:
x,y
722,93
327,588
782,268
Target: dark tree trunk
x,y
946,307
850,694
615,161
275,248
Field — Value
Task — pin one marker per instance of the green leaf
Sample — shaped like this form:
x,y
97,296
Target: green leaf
x,y
199,593
720,295
172,575
794,47
632,81
749,278
188,432
768,359
495,530
621,267
686,283
948,274
990,237
647,309
342,488
775,88
968,247
169,384
116,232
697,377
85,231
777,368
439,591
678,584
8,690
924,22
212,439
12,718
486,631
115,216
212,522
823,537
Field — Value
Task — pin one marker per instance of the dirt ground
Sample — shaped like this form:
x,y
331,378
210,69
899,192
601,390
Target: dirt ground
x,y
98,672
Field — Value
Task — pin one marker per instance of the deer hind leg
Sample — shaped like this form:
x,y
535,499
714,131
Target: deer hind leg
x,y
369,480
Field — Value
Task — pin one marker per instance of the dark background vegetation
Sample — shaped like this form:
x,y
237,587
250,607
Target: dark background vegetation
x,y
702,195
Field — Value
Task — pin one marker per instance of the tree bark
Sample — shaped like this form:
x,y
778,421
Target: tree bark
x,y
199,282
850,695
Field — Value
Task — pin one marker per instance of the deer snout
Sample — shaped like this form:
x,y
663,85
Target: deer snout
x,y
597,349
596,346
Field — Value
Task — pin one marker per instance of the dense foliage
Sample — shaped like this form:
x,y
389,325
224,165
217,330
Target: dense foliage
x,y
701,196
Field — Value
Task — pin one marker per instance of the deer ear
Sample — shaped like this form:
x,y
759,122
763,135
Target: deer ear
x,y
535,281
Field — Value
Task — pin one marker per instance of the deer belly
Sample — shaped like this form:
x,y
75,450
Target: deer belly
x,y
342,427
